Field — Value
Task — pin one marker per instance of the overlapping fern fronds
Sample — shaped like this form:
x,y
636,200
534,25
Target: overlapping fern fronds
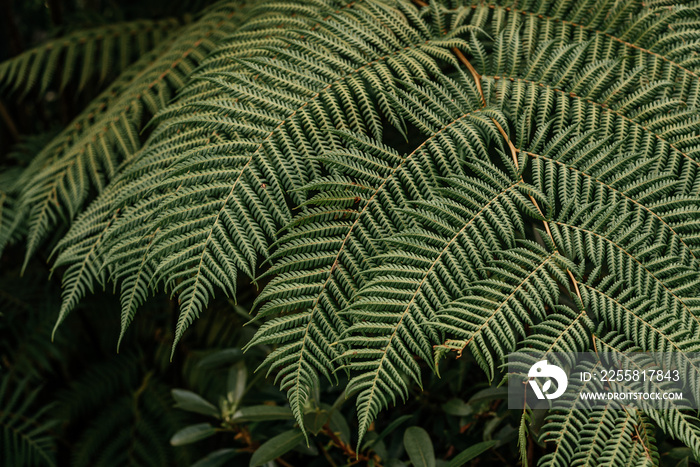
x,y
25,430
416,179
131,415
100,51
247,149
8,212
85,156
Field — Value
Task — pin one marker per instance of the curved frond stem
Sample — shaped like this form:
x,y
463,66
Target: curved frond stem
x,y
477,78
605,108
636,260
615,190
368,400
514,154
594,31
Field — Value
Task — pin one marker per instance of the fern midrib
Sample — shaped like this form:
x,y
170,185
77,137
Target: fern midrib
x,y
504,301
144,257
148,69
653,382
514,154
623,250
611,188
270,135
28,439
588,28
112,99
639,438
418,289
369,202
75,291
561,335
592,438
95,133
570,414
618,443
117,32
605,109
379,189
643,322
273,132
128,305
643,438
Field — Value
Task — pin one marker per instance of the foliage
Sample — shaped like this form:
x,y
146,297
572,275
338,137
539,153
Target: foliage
x,y
403,183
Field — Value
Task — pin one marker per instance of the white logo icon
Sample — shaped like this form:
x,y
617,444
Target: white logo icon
x,y
543,370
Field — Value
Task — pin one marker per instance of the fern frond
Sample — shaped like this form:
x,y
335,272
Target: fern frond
x,y
523,282
430,264
8,209
546,192
661,40
618,236
663,309
82,54
612,434
319,262
235,192
26,438
86,155
132,429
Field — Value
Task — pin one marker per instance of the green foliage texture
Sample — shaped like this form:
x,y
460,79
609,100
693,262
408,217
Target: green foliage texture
x,y
402,182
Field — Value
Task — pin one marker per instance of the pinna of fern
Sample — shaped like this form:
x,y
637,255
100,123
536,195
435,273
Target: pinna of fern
x,y
86,155
89,51
23,426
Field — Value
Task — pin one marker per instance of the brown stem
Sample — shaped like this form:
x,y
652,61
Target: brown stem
x,y
346,448
639,436
472,70
283,462
513,152
326,455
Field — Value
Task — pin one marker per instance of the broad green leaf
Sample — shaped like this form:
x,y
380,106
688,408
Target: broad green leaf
x,y
216,458
339,425
188,400
457,407
489,394
419,447
237,378
471,453
315,419
192,433
259,413
276,447
376,445
221,358
386,431
680,453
